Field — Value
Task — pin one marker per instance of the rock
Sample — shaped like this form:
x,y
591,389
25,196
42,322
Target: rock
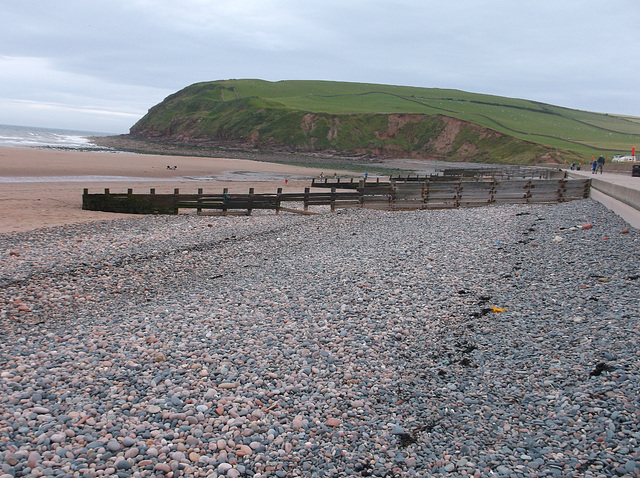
x,y
244,450
163,467
332,422
113,445
128,441
228,385
131,452
123,465
586,226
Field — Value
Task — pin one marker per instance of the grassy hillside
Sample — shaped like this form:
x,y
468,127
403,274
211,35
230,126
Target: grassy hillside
x,y
385,119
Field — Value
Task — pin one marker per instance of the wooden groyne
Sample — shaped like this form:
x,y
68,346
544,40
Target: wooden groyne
x,y
390,194
207,203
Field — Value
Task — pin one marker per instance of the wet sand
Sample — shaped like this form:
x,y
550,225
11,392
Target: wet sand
x,y
42,188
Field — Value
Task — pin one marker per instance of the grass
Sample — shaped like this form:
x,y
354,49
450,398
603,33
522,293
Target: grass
x,y
236,109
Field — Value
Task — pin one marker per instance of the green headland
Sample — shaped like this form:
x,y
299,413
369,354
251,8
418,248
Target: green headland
x,y
383,121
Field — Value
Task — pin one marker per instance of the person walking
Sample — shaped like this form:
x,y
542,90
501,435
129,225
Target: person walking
x,y
600,164
594,166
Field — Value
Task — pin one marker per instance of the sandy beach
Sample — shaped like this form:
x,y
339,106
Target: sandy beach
x,y
43,188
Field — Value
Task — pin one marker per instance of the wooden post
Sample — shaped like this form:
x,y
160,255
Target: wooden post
x,y
306,199
85,191
425,193
587,189
225,197
199,209
152,191
278,194
392,193
129,192
361,192
333,199
562,190
106,191
250,203
176,191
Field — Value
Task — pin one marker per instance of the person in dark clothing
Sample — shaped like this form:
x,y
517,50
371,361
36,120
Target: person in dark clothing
x,y
600,164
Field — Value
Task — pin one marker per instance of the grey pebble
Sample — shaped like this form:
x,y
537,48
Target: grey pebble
x,y
356,342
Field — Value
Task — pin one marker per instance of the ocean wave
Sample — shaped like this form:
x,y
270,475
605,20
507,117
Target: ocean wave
x,y
32,137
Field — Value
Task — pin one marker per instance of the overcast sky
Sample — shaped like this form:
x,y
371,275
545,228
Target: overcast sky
x,y
99,65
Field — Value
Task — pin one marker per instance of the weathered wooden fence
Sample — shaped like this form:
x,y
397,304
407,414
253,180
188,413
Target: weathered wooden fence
x,y
448,175
391,195
503,173
206,203
454,194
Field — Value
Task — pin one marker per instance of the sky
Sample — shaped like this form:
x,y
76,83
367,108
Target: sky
x,y
99,65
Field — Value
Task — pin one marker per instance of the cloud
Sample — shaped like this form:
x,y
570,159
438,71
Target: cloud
x,y
32,91
127,55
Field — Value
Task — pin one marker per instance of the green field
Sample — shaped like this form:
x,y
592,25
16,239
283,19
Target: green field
x,y
232,109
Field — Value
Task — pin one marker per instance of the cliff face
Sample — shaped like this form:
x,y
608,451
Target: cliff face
x,y
256,123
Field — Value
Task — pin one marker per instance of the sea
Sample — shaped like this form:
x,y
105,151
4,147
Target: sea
x,y
12,136
32,137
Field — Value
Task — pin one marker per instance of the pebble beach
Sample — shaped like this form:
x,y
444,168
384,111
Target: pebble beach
x,y
495,341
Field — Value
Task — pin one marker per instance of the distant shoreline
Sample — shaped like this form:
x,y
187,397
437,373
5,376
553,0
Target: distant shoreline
x,y
363,163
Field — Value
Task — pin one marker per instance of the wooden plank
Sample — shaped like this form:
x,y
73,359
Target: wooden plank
x,y
298,211
223,213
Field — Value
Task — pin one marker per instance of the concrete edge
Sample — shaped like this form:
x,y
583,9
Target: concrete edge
x,y
622,200
630,214
628,196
